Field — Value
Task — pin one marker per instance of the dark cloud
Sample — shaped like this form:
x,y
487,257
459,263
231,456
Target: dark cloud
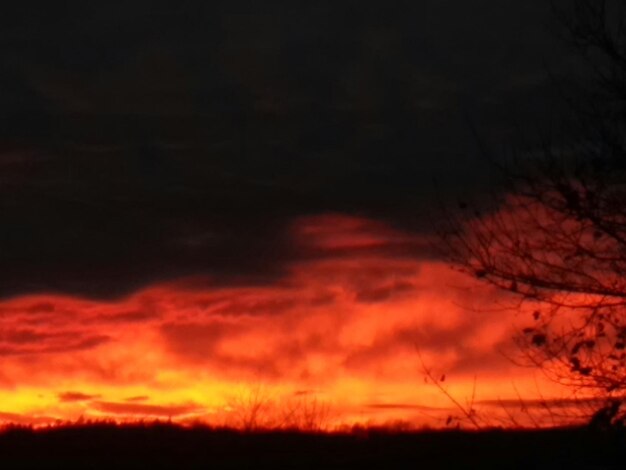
x,y
39,307
384,292
267,306
581,404
401,406
26,341
172,411
138,398
43,327
66,397
133,316
155,141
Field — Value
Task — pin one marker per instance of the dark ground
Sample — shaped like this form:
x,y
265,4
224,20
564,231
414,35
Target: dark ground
x,y
168,446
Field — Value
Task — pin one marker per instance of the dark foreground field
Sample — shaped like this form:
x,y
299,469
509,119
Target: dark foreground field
x,y
168,446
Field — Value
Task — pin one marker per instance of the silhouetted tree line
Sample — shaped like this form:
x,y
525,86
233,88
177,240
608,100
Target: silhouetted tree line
x,y
555,235
163,445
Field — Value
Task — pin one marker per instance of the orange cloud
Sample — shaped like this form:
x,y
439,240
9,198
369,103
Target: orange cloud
x,y
344,324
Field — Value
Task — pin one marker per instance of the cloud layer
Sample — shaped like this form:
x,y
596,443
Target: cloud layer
x,y
147,143
352,322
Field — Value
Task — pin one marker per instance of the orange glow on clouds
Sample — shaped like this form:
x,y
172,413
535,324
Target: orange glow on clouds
x,y
342,328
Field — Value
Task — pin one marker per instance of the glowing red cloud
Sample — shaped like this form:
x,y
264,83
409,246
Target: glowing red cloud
x,y
345,323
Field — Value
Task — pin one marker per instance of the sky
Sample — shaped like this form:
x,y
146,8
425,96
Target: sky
x,y
204,199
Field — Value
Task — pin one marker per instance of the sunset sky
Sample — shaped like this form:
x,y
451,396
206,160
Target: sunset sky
x,y
204,200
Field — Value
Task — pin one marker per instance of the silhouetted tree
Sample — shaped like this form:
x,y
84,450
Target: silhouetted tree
x,y
555,234
256,409
605,417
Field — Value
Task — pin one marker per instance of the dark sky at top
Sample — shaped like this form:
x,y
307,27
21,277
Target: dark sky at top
x,y
149,140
